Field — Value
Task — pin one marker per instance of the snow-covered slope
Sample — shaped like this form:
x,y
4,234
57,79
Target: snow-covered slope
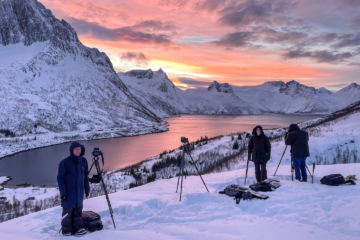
x,y
51,82
222,98
154,90
294,211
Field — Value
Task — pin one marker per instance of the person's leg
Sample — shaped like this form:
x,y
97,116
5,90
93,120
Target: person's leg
x,y
263,172
303,169
77,224
257,172
66,223
296,163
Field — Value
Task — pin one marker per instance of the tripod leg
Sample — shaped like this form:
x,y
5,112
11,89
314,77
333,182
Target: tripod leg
x,y
182,178
312,180
292,170
309,171
280,161
105,190
247,167
198,172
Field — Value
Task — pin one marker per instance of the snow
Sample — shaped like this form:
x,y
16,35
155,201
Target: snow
x,y
295,210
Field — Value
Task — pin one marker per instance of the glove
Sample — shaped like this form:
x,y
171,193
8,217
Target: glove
x,y
286,134
87,195
267,157
64,198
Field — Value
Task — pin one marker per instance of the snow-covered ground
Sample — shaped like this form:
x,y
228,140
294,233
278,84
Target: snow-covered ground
x,y
294,211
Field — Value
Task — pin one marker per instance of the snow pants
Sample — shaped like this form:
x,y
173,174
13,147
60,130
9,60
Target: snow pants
x,y
73,221
299,166
260,172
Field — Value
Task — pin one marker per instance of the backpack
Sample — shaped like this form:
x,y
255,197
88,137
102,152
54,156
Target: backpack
x,y
92,221
335,180
267,185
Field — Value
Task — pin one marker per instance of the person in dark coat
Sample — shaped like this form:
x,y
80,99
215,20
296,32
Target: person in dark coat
x,y
73,182
299,142
259,148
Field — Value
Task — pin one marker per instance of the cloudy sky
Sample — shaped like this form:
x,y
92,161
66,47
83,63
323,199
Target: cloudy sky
x,y
242,42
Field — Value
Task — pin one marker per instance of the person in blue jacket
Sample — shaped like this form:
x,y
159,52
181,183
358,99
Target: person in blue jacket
x,y
73,182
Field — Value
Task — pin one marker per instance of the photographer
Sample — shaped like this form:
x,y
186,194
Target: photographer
x,y
73,181
260,149
299,142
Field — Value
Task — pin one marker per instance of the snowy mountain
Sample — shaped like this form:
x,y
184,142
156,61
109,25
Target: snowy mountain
x,y
222,98
51,82
155,90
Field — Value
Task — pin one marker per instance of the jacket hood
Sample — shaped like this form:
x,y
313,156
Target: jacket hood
x,y
293,127
254,131
75,145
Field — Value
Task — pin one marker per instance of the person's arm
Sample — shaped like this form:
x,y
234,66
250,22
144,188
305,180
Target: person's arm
x,y
268,149
61,179
86,180
250,148
289,139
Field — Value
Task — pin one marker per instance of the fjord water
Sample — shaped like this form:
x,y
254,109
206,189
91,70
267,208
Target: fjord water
x,y
39,166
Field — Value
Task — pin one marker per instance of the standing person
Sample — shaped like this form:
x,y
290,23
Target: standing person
x,y
299,142
260,149
73,181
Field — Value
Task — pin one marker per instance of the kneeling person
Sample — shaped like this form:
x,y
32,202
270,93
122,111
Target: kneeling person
x,y
259,149
73,181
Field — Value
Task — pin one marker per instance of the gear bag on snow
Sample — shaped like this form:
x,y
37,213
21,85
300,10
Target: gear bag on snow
x,y
239,192
336,180
267,185
92,221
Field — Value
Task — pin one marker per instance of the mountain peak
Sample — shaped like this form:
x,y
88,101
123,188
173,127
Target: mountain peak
x,y
323,90
276,83
351,86
28,21
160,70
140,73
224,87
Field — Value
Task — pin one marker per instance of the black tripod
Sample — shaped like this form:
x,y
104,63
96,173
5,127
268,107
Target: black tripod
x,y
292,167
99,177
186,149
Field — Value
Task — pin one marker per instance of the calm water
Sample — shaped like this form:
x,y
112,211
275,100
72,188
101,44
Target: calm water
x,y
39,166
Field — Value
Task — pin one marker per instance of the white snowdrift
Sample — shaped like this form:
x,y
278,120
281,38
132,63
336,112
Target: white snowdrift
x,y
294,211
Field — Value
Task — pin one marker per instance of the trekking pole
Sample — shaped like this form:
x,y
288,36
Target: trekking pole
x,y
280,160
312,181
247,167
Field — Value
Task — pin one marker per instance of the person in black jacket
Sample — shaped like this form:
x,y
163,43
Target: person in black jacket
x,y
299,142
73,181
259,149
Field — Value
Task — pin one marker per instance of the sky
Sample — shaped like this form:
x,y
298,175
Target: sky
x,y
241,42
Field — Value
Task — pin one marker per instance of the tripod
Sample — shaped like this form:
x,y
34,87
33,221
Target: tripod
x,y
292,167
182,166
96,154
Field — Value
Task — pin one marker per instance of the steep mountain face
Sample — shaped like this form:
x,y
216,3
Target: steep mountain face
x,y
51,82
154,90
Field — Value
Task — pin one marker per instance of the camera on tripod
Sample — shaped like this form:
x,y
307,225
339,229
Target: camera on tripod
x,y
184,140
97,152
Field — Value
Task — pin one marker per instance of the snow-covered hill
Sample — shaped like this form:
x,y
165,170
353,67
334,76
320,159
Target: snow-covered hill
x,y
51,82
222,98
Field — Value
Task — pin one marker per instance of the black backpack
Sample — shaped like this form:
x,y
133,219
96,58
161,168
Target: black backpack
x,y
335,180
92,221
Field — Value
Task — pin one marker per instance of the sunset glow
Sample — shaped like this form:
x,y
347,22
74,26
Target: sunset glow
x,y
243,42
